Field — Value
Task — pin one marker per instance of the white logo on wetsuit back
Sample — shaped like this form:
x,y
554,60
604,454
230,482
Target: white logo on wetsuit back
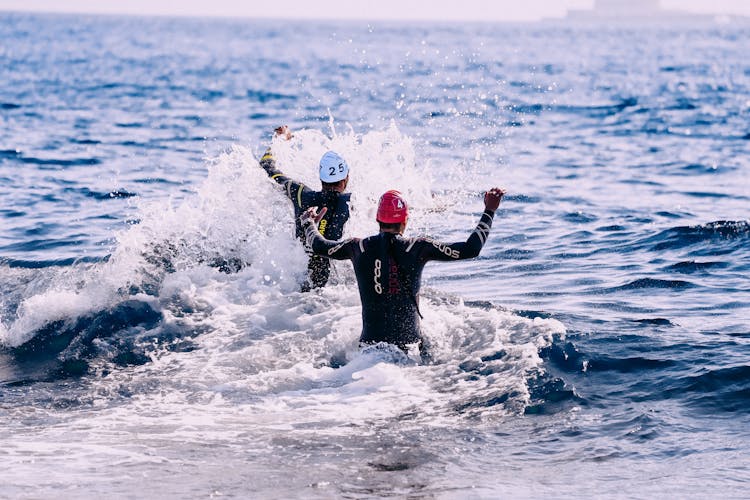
x,y
446,249
377,273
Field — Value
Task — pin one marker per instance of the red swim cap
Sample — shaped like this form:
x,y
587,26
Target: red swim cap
x,y
392,208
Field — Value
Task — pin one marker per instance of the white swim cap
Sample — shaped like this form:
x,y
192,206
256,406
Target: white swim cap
x,y
333,168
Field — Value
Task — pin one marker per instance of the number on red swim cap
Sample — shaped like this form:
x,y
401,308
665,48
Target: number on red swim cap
x,y
392,208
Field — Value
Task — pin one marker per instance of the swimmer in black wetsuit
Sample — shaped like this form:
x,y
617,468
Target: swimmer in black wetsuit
x,y
389,267
334,177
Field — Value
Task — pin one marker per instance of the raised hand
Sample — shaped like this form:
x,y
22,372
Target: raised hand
x,y
284,132
492,198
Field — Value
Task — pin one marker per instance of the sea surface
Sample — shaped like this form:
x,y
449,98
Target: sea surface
x,y
153,339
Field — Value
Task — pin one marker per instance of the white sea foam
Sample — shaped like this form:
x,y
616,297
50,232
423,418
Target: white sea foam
x,y
260,337
236,213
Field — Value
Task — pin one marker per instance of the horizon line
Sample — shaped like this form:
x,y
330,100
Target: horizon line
x,y
664,15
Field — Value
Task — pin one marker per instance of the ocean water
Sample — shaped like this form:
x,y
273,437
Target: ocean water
x,y
153,342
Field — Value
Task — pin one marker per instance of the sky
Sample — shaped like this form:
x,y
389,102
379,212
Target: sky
x,y
459,10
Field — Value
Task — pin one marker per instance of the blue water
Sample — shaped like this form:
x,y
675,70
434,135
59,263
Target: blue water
x,y
152,339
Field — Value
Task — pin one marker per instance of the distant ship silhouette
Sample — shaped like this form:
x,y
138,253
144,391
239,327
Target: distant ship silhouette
x,y
633,10
629,8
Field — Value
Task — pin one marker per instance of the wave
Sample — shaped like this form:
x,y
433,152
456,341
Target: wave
x,y
653,283
12,213
59,162
65,347
640,369
41,264
713,238
627,365
118,193
44,244
592,111
265,96
217,277
691,266
725,389
484,359
9,153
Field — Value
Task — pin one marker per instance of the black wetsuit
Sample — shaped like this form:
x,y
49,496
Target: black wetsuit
x,y
331,226
389,275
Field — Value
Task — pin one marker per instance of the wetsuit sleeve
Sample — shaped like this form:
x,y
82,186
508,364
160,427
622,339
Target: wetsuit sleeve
x,y
338,250
294,190
435,250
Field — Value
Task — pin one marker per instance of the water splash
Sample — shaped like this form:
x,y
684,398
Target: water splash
x,y
252,332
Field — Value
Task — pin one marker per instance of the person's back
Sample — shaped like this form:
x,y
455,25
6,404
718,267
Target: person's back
x,y
334,176
389,278
389,267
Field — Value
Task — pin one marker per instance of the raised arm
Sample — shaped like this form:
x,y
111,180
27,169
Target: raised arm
x,y
292,188
435,250
338,250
